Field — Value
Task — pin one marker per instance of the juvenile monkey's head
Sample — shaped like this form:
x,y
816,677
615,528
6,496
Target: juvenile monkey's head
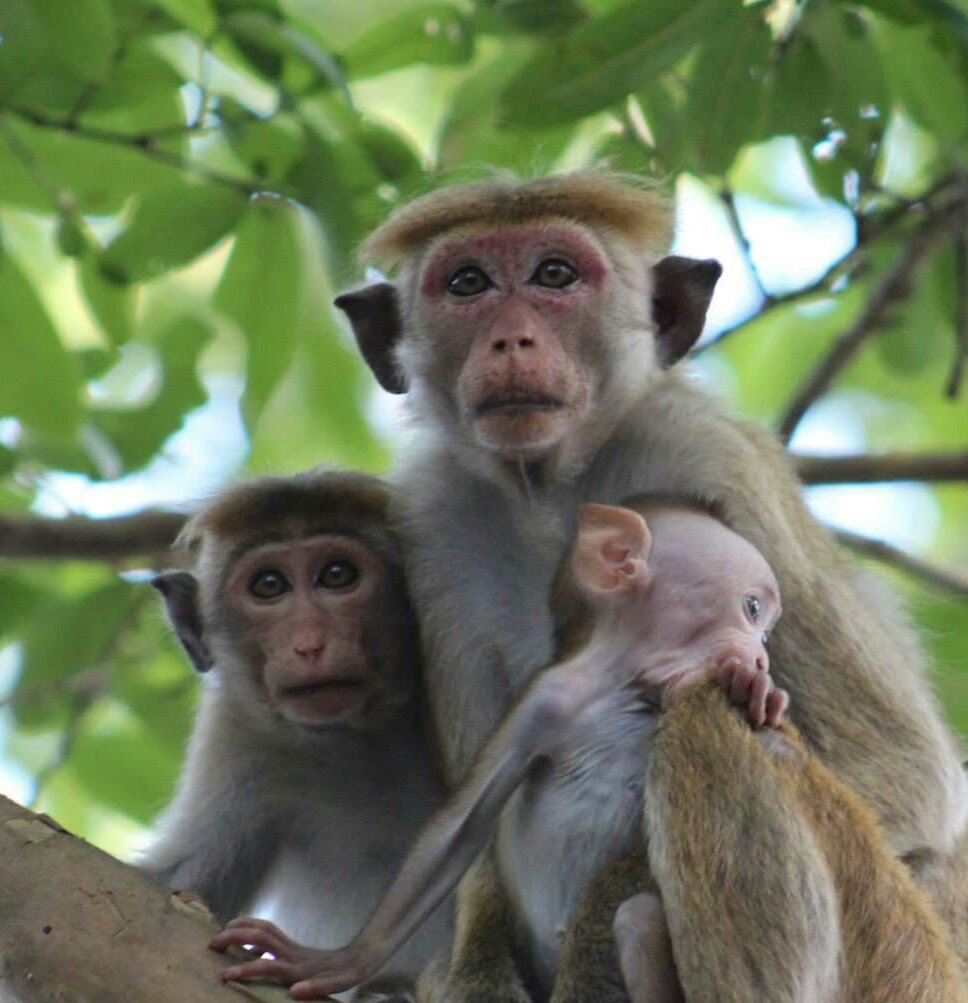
x,y
528,316
669,581
298,604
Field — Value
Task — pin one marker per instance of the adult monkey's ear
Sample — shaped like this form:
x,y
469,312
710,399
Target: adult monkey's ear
x,y
374,313
682,289
180,592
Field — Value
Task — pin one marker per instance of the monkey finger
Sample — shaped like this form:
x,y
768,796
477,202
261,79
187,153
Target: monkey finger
x,y
739,691
759,695
776,706
264,968
273,941
319,988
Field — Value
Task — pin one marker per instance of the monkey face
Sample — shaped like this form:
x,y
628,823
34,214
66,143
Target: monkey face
x,y
319,618
508,333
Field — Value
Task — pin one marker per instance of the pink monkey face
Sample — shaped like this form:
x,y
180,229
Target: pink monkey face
x,y
713,597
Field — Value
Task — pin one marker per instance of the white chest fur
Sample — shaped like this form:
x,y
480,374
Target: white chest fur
x,y
578,811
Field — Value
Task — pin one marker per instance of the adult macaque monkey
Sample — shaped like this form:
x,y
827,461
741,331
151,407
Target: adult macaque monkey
x,y
533,326
308,775
647,612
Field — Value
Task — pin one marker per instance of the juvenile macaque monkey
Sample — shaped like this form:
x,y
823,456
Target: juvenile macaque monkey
x,y
533,327
308,775
647,614
642,611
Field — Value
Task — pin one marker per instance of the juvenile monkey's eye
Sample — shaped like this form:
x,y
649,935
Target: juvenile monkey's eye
x,y
268,584
753,606
338,575
468,281
553,273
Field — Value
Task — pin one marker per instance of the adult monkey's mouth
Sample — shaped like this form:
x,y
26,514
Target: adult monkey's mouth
x,y
516,403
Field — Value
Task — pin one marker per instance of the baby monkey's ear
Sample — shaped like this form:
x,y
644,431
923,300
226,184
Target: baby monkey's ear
x,y
611,549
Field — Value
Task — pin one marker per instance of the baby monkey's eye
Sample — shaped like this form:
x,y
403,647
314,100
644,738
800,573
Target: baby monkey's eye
x,y
268,584
338,575
753,607
468,281
553,273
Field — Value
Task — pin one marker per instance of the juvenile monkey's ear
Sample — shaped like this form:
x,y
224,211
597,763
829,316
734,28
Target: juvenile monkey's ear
x,y
180,592
374,313
611,549
681,293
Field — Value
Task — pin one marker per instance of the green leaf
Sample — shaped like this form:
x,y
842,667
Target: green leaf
x,y
82,34
261,291
111,304
42,380
474,131
437,34
724,90
540,16
605,59
194,14
28,74
64,637
138,433
130,772
19,600
141,95
271,44
268,148
170,228
930,87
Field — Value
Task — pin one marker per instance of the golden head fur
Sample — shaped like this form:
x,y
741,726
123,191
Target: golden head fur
x,y
639,213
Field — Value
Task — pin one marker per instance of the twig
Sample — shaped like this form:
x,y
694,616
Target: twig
x,y
869,229
953,387
893,287
949,579
729,203
870,468
32,537
145,143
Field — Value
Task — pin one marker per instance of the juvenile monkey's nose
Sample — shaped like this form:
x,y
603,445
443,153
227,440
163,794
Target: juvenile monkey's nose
x,y
502,344
308,648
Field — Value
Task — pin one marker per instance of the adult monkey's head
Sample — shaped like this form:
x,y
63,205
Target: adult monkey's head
x,y
528,316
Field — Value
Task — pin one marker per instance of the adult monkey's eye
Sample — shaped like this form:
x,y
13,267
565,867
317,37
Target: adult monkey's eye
x,y
753,606
338,575
268,584
553,273
468,281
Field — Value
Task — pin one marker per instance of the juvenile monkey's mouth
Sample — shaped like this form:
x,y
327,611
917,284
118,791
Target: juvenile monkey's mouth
x,y
323,700
517,403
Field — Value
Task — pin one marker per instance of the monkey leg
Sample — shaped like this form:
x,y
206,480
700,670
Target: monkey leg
x,y
482,967
589,967
645,950
750,902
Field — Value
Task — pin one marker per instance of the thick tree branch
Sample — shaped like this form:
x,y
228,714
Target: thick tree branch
x,y
871,468
953,388
950,579
893,287
144,534
78,925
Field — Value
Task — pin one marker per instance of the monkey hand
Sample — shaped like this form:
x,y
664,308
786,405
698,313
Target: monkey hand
x,y
752,687
310,973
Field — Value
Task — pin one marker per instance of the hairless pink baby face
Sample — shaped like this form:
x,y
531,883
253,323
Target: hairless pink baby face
x,y
712,597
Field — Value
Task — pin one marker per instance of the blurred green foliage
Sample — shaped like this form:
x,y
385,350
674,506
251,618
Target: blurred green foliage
x,y
182,187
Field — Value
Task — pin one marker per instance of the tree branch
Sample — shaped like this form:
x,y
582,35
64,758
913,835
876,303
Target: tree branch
x,y
146,533
893,287
871,468
729,204
78,925
953,388
949,579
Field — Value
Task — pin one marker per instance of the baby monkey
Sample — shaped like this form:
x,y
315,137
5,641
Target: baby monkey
x,y
645,610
